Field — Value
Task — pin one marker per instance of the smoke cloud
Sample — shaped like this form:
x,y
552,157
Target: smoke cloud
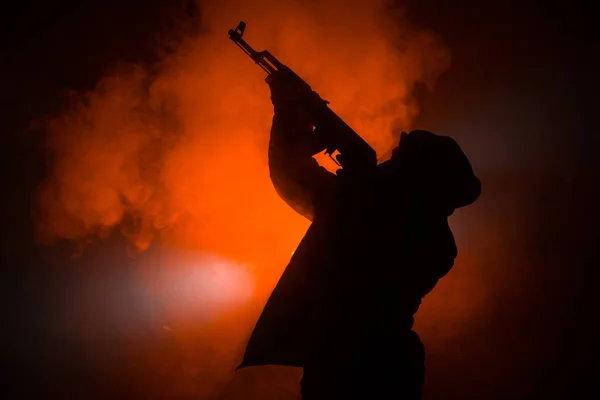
x,y
174,153
180,145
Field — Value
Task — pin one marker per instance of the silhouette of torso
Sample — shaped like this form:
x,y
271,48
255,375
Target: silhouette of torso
x,y
357,278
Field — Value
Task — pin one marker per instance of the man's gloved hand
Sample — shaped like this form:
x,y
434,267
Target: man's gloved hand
x,y
292,114
285,94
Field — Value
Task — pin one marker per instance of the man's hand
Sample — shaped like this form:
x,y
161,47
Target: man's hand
x,y
287,95
292,105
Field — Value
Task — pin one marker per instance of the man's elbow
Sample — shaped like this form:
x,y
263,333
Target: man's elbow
x,y
292,193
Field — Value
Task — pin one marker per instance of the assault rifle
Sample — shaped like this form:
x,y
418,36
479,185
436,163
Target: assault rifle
x,y
356,154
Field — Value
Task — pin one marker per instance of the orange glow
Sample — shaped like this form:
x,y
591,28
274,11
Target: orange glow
x,y
203,284
176,153
182,153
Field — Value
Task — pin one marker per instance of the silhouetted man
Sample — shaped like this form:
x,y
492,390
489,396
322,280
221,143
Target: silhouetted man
x,y
378,243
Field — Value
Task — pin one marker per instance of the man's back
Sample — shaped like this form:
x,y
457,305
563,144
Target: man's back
x,y
378,252
362,268
384,253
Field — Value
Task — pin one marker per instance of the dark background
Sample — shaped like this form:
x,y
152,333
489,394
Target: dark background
x,y
526,73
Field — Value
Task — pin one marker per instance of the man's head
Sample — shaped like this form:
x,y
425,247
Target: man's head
x,y
436,166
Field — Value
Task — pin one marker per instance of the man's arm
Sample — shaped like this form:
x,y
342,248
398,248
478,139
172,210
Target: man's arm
x,y
298,178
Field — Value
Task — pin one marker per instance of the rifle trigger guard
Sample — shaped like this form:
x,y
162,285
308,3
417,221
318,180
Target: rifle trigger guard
x,y
334,160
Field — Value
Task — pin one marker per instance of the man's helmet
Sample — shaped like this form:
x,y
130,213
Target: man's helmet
x,y
436,165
